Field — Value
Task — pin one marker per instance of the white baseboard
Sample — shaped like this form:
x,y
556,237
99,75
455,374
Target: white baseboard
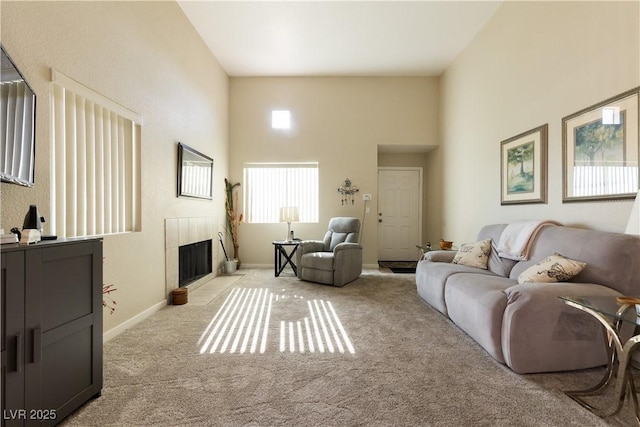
x,y
112,333
371,266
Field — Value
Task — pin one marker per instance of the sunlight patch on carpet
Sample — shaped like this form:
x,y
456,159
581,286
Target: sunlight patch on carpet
x,y
327,330
241,325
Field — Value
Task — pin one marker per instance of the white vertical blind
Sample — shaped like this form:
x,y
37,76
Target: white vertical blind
x,y
16,107
95,162
269,186
196,179
603,180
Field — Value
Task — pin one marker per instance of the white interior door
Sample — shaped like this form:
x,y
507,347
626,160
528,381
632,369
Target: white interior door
x,y
399,218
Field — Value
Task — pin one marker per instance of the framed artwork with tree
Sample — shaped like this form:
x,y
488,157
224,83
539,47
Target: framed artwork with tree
x,y
524,167
600,150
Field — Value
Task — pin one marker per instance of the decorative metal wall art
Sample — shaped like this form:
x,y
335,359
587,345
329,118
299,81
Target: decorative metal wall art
x,y
347,190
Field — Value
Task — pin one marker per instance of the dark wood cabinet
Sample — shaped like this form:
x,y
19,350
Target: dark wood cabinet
x,y
51,329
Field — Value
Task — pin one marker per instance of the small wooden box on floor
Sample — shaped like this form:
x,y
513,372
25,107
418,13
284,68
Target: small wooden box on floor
x,y
179,296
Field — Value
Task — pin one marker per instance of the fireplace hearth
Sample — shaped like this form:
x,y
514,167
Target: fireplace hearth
x,y
195,261
182,232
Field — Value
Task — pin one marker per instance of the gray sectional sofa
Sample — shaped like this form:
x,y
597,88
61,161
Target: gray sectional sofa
x,y
526,326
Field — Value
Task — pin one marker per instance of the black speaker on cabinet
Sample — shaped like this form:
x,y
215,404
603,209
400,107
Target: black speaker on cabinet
x,y
32,219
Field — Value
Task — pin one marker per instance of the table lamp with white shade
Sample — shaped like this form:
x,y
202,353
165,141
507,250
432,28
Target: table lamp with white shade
x,y
633,226
289,214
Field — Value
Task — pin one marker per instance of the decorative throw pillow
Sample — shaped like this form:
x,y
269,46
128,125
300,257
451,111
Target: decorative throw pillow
x,y
554,268
474,254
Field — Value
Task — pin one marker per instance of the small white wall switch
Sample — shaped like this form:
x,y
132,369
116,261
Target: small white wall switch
x,y
368,210
366,197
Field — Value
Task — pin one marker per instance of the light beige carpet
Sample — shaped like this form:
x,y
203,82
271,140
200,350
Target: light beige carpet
x,y
407,364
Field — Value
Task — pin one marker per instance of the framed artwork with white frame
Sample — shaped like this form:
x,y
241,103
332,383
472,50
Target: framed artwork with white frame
x,y
523,175
600,150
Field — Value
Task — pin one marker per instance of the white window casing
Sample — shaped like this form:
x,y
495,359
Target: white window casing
x,y
95,162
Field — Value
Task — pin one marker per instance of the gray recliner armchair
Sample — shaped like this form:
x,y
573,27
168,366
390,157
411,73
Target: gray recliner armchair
x,y
337,259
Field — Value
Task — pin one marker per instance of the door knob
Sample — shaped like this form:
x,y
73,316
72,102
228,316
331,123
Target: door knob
x,y
380,220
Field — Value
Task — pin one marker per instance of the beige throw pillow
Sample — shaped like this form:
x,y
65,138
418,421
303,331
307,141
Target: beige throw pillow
x,y
474,254
554,268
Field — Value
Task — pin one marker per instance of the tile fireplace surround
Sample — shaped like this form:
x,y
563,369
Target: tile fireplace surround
x,y
184,231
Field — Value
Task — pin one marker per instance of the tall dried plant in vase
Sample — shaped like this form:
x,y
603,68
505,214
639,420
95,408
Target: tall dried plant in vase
x,y
233,217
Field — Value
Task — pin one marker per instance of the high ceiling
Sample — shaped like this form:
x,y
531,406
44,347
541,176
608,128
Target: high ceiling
x,y
337,38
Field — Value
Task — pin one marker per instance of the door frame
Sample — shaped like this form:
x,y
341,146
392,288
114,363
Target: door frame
x,y
420,171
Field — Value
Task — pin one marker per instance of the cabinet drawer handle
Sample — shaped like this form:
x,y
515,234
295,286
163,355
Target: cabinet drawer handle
x,y
37,345
18,352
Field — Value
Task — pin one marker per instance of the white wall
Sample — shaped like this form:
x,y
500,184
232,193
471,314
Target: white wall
x,y
147,57
533,63
338,122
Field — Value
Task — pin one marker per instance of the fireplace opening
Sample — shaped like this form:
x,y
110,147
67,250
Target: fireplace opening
x,y
194,262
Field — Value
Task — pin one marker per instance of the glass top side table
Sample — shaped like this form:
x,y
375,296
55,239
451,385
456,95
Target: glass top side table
x,y
612,313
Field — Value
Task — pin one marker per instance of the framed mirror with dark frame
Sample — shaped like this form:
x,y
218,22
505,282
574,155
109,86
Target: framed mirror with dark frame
x,y
17,125
195,173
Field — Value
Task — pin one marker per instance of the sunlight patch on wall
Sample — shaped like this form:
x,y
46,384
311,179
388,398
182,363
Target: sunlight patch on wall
x,y
241,325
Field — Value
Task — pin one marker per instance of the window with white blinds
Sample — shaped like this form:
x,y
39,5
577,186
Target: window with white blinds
x,y
95,162
270,186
